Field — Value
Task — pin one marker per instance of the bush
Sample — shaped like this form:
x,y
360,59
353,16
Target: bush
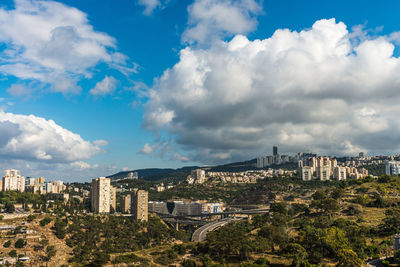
x,y
20,243
31,217
189,263
10,208
7,244
127,259
45,221
13,253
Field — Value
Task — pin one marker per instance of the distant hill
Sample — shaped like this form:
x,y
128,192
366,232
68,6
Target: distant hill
x,y
152,174
156,174
235,166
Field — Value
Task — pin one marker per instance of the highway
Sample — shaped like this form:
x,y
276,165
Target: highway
x,y
201,233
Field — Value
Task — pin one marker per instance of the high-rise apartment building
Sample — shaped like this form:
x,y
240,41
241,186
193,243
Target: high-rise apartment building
x,y
125,203
12,180
323,173
393,167
139,204
274,150
339,173
113,197
306,173
101,195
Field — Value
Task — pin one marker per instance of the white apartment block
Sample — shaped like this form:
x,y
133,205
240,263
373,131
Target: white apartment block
x,y
323,173
306,173
13,181
339,173
393,167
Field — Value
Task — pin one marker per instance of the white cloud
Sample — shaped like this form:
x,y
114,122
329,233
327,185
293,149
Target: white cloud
x,y
37,139
313,90
213,19
150,6
19,90
147,149
54,44
80,165
105,87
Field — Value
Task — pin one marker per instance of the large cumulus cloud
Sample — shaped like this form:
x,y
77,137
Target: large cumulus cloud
x,y
321,89
53,44
36,139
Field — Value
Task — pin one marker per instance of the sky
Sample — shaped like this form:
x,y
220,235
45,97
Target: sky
x,y
90,88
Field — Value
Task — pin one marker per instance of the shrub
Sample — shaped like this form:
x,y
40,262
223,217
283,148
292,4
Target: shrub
x,y
45,221
20,243
13,253
7,244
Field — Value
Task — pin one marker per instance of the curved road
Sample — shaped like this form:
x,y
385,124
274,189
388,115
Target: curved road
x,y
201,233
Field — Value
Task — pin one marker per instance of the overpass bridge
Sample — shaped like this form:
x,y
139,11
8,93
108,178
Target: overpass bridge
x,y
204,218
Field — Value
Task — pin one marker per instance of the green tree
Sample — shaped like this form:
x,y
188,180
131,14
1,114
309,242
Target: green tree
x,y
337,193
296,252
392,221
319,195
10,208
348,258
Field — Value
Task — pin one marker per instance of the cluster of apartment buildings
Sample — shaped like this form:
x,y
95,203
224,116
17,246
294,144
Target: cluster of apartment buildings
x,y
327,168
275,159
39,185
14,181
200,176
103,198
182,208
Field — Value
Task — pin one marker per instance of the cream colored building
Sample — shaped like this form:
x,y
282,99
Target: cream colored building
x,y
306,173
101,195
13,181
323,173
339,173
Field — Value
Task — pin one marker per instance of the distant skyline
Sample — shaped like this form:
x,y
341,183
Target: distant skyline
x,y
90,88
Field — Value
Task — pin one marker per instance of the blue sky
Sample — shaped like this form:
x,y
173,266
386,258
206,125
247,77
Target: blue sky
x,y
93,87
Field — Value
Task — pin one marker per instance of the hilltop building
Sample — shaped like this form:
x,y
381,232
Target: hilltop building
x,y
132,176
276,159
326,168
197,176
